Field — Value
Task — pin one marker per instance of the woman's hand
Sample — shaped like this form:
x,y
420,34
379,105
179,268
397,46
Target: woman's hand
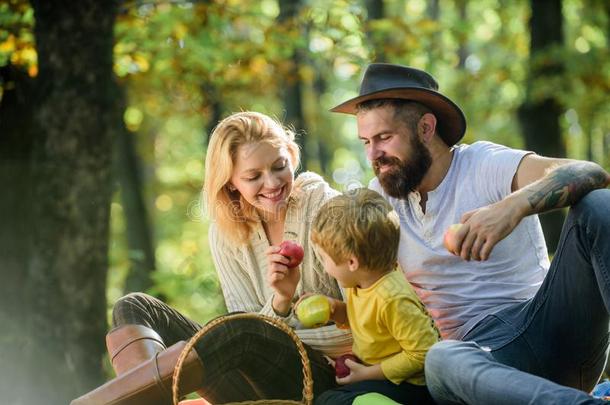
x,y
281,279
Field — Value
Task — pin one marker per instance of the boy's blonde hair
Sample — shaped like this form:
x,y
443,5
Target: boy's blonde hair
x,y
360,223
234,216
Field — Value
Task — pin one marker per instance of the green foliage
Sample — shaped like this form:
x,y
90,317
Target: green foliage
x,y
16,36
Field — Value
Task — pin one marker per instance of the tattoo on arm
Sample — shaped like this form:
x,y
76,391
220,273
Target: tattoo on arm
x,y
566,185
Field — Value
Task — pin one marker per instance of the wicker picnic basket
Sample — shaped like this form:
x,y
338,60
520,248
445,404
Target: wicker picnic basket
x,y
307,377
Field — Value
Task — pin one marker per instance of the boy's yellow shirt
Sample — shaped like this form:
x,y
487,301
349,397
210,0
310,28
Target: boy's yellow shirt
x,y
390,326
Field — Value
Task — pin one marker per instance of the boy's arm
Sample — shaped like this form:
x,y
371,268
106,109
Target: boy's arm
x,y
413,329
338,313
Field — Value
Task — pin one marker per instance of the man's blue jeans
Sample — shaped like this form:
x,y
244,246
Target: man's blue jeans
x,y
530,353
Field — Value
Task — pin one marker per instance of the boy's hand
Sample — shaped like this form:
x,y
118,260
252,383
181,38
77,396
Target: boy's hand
x,y
360,372
313,310
338,311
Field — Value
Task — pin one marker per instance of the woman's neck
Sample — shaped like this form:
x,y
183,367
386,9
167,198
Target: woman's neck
x,y
274,227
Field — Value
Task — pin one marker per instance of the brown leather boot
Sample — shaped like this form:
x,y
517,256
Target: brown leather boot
x,y
150,383
131,345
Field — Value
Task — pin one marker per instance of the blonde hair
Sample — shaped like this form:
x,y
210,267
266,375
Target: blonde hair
x,y
360,223
234,216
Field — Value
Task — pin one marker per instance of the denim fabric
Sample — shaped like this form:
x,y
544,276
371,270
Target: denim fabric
x,y
532,351
403,393
243,359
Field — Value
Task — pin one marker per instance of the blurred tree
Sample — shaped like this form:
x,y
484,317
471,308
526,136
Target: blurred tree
x,y
128,172
375,10
292,93
539,114
16,140
463,16
59,147
433,12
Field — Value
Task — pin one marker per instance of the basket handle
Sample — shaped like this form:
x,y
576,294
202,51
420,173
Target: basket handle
x,y
307,376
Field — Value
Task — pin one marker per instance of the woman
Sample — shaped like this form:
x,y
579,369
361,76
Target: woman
x,y
254,203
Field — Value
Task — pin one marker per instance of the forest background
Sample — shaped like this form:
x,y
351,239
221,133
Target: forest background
x,y
106,109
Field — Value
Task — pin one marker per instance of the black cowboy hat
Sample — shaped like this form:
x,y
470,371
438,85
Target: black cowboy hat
x,y
384,80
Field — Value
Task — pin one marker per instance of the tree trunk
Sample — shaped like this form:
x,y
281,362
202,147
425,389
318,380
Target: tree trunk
x,y
539,118
214,103
324,154
72,125
15,146
463,48
293,92
375,11
138,229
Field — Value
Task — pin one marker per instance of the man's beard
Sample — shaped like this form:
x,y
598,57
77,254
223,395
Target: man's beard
x,y
404,177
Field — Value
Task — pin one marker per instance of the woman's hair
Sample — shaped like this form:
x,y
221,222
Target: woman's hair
x,y
233,215
360,223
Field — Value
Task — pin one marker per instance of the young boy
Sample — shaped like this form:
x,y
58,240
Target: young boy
x,y
356,235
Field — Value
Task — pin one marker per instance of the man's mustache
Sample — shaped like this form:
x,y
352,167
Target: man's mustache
x,y
385,160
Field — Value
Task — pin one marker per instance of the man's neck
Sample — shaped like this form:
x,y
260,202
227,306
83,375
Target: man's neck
x,y
441,162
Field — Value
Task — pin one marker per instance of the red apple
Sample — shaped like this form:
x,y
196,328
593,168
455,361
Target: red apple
x,y
341,369
450,238
293,252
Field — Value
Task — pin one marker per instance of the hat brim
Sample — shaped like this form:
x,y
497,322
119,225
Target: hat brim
x,y
451,122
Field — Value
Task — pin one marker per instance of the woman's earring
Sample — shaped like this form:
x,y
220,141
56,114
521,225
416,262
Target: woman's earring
x,y
231,188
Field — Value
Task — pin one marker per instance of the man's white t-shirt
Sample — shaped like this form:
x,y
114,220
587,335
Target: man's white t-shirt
x,y
458,293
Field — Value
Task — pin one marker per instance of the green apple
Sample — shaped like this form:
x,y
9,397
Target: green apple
x,y
313,311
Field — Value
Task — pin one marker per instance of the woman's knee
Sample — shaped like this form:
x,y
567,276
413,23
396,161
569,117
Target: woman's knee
x,y
233,335
131,309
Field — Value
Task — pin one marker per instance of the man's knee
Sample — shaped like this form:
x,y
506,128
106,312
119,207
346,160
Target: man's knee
x,y
450,355
439,354
594,208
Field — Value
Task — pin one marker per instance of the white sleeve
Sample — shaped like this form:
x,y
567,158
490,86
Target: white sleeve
x,y
495,167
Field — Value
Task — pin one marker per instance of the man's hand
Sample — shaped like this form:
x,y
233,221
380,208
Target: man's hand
x,y
484,227
541,185
281,279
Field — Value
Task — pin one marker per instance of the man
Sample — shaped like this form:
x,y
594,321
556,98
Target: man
x,y
518,329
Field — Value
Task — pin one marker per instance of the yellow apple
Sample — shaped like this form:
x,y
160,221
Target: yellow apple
x,y
313,311
450,239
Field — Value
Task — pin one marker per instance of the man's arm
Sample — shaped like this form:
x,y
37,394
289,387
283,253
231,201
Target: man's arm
x,y
555,183
540,184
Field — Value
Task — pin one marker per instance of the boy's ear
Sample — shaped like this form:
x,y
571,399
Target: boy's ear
x,y
352,263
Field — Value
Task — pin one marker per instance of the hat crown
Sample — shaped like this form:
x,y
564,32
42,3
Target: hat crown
x,y
383,76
